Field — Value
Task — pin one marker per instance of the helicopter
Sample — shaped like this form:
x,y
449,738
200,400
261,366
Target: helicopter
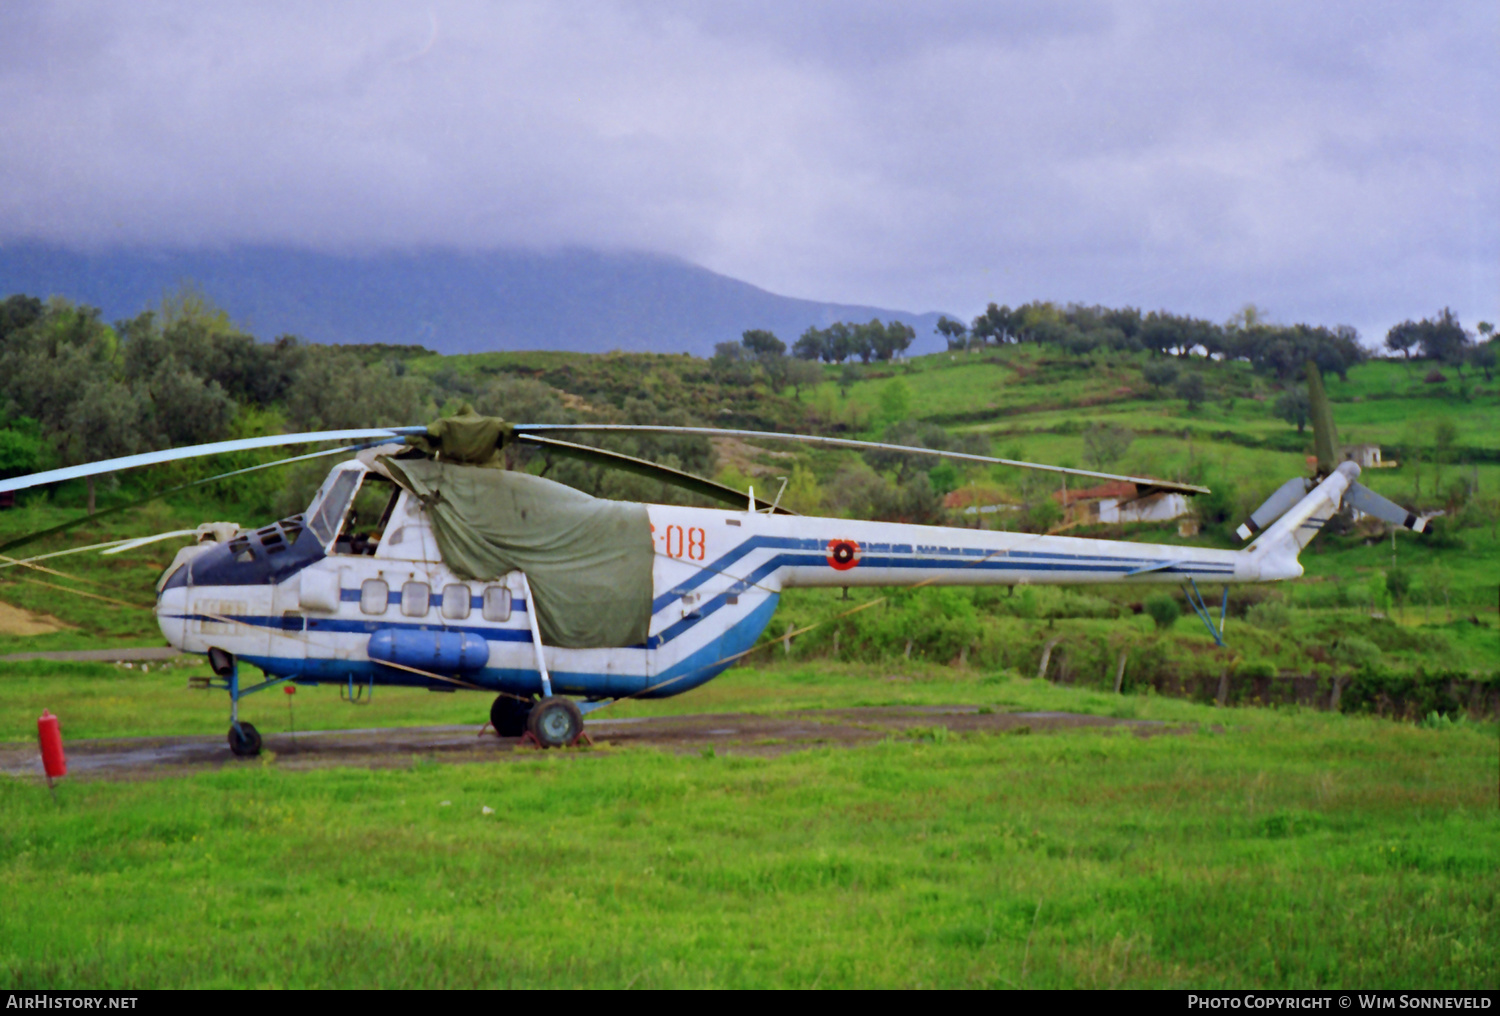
x,y
423,562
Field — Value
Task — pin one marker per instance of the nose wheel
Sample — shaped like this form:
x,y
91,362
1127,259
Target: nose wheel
x,y
244,740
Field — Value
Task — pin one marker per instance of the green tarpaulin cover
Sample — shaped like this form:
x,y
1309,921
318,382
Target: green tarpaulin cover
x,y
588,560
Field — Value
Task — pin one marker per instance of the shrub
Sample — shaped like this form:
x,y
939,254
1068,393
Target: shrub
x,y
1356,652
1164,610
1253,670
1270,614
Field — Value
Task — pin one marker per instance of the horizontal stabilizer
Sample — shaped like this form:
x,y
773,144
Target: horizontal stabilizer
x,y
1371,503
1275,506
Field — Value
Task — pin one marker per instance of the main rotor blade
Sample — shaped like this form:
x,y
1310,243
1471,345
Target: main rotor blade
x,y
63,527
1325,438
651,470
1146,484
194,451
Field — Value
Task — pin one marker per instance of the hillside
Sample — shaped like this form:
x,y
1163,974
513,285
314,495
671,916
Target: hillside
x,y
1402,618
453,302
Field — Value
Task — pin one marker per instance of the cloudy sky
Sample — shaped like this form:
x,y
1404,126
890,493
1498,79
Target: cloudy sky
x,y
1331,162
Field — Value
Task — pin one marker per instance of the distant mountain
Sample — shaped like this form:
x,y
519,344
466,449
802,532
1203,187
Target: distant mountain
x,y
450,301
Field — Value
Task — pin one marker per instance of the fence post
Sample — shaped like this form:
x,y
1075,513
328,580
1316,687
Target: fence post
x,y
1223,695
1120,672
1041,671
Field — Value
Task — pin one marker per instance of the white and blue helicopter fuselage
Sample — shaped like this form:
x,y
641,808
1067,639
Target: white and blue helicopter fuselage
x,y
298,602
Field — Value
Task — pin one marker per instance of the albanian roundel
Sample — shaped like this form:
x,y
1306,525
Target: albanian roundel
x,y
843,554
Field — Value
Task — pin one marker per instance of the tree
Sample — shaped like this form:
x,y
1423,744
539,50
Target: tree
x,y
1248,317
802,374
1294,407
1105,443
1444,437
1159,373
335,390
1483,358
803,492
768,351
1042,515
813,345
895,402
104,422
20,447
840,343
1192,389
891,340
1445,339
731,364
762,343
863,339
18,313
955,333
1402,338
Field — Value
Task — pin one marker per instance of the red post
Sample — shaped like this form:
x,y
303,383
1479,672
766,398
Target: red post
x,y
49,736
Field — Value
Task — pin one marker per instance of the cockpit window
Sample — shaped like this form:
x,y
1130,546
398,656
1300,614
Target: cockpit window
x,y
368,514
325,521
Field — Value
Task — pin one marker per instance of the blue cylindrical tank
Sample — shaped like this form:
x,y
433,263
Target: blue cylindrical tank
x,y
442,652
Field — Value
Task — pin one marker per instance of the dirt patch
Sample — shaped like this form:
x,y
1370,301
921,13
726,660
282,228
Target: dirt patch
x,y
20,621
726,733
744,458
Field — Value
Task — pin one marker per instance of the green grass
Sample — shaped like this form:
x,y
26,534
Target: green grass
x,y
1252,848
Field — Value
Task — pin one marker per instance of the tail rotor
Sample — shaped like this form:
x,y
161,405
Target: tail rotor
x,y
1325,448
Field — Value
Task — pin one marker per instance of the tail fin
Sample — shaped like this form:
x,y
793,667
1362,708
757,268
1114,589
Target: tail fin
x,y
1277,549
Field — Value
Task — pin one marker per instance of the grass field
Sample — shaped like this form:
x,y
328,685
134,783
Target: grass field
x,y
1248,848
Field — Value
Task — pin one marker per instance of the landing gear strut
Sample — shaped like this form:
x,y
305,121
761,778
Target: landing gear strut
x,y
508,715
244,739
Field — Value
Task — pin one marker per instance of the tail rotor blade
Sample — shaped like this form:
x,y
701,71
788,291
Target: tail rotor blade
x,y
1366,500
1275,506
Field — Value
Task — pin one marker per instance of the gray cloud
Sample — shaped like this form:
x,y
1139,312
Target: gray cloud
x,y
1332,162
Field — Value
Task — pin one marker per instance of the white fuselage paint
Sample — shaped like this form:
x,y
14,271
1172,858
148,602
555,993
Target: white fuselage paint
x,y
715,582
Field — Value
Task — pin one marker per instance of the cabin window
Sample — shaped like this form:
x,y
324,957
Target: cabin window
x,y
497,604
374,594
456,602
415,597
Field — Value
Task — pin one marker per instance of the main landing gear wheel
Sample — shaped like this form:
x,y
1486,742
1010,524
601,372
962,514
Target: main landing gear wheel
x,y
555,722
244,740
508,715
